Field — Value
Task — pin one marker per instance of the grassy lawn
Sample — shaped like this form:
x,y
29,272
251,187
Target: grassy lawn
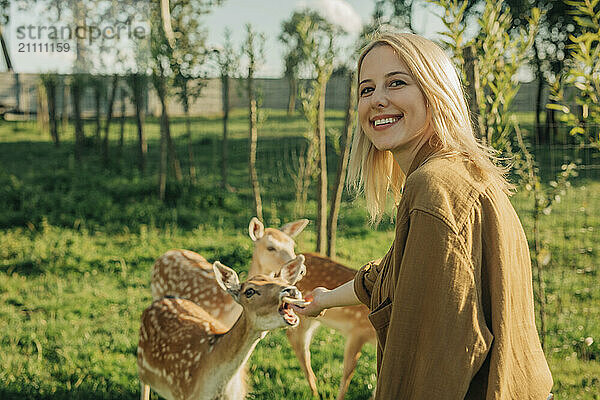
x,y
78,241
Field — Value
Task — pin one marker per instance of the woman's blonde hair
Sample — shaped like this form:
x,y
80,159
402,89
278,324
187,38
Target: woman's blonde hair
x,y
375,172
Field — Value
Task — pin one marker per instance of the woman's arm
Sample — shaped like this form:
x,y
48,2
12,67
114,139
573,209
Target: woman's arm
x,y
322,299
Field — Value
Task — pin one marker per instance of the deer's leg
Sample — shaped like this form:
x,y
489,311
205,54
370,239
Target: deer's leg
x,y
236,388
144,391
300,338
354,344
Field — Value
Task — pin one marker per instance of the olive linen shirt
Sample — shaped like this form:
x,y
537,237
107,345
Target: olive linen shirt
x,y
452,300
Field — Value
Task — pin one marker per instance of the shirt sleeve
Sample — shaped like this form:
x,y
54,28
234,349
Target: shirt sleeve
x,y
437,338
365,279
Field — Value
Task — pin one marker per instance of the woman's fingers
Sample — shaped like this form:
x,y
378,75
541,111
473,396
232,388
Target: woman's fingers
x,y
314,307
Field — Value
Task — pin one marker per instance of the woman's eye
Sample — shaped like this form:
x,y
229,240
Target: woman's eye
x,y
249,292
397,82
365,91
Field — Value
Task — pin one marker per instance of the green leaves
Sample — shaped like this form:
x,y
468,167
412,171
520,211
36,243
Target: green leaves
x,y
582,74
499,55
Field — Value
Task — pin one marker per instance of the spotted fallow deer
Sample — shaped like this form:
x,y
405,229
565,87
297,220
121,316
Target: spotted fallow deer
x,y
186,274
184,353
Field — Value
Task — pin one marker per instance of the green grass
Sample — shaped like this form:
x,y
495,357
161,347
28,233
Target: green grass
x,y
78,242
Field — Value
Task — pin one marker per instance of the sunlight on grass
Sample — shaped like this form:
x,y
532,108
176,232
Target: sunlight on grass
x,y
79,240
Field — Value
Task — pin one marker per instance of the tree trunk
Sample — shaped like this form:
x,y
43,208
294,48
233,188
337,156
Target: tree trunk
x,y
42,117
50,85
552,127
65,101
164,126
224,144
542,135
340,178
76,88
122,120
253,143
17,91
175,164
109,115
161,88
538,268
188,130
293,84
97,99
321,220
5,52
138,88
473,87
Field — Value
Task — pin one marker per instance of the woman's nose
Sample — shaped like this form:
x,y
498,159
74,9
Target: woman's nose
x,y
379,99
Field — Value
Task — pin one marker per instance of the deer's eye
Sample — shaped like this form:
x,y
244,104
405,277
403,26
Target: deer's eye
x,y
271,248
249,292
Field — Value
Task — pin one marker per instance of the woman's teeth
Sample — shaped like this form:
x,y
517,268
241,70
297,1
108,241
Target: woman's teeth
x,y
385,121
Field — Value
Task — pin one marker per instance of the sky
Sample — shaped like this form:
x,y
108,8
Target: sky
x,y
266,16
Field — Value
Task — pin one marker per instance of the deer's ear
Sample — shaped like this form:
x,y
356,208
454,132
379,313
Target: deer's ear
x,y
294,228
227,279
294,270
256,229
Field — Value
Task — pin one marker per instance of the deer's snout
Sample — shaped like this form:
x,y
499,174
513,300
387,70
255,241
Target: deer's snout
x,y
291,291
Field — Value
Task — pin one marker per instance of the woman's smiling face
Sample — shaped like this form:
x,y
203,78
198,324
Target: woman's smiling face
x,y
391,107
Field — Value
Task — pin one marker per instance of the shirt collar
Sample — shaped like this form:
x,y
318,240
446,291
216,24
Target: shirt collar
x,y
422,156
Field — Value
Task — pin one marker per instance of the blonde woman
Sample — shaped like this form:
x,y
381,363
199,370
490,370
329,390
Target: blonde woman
x,y
452,300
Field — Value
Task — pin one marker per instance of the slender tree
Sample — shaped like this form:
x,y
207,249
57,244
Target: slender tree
x,y
98,85
122,97
3,20
227,58
254,51
340,179
582,76
109,115
50,82
294,56
316,39
77,88
138,83
188,56
499,56
550,50
161,74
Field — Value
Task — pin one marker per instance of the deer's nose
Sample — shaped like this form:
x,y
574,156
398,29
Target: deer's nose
x,y
292,291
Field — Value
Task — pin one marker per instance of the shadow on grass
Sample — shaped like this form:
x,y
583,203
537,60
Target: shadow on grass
x,y
83,392
40,182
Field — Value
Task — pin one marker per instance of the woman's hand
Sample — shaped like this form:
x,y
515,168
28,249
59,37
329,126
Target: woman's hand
x,y
317,305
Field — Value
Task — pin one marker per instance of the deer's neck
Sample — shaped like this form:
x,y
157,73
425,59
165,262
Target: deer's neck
x,y
226,357
255,266
237,345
